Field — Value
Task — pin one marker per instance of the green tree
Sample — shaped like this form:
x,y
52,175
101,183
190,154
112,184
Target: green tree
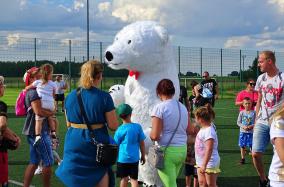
x,y
253,70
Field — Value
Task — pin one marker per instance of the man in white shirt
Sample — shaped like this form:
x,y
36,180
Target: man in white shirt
x,y
270,87
59,92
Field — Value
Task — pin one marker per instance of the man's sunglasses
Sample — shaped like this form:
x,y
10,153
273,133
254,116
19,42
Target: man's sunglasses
x,y
252,83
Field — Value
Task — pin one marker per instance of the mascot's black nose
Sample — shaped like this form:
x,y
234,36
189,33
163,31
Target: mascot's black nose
x,y
109,56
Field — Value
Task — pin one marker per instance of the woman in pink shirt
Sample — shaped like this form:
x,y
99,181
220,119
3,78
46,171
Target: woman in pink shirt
x,y
248,92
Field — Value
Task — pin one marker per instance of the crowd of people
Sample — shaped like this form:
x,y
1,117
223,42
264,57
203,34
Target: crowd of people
x,y
187,133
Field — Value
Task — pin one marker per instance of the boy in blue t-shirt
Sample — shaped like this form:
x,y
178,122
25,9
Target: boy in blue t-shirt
x,y
130,137
246,121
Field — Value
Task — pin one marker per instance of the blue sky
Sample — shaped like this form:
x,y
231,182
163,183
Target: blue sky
x,y
239,24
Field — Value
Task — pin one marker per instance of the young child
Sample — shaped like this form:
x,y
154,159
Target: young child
x,y
189,169
129,136
245,122
206,147
46,90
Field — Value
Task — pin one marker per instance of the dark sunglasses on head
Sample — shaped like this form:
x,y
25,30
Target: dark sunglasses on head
x,y
252,83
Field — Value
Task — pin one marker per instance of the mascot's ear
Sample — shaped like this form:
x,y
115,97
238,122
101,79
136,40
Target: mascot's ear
x,y
162,32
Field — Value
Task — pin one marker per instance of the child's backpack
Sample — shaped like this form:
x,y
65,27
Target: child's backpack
x,y
206,93
20,108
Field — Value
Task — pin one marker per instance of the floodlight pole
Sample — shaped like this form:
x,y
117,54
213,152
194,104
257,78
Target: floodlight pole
x,y
88,47
243,56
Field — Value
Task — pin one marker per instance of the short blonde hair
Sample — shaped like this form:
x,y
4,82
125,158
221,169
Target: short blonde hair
x,y
269,55
90,71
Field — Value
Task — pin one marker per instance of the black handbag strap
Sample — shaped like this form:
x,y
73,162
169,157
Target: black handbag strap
x,y
84,115
176,127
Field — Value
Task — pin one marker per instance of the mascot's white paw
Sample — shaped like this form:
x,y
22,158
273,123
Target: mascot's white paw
x,y
117,94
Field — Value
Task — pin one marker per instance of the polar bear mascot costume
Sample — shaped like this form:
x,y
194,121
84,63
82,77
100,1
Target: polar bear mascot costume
x,y
144,49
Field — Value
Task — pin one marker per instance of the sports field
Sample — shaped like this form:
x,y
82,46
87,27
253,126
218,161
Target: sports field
x,y
233,174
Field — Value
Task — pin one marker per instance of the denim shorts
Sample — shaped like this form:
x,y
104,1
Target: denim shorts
x,y
261,137
42,151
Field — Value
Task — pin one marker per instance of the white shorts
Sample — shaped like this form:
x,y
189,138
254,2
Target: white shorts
x,y
49,105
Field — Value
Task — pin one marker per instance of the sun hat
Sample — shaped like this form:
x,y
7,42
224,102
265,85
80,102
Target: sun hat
x,y
28,73
124,110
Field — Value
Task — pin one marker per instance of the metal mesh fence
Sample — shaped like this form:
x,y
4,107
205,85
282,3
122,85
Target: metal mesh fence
x,y
191,61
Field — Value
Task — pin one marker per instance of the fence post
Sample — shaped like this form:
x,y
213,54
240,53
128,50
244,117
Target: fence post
x,y
101,59
179,61
35,49
222,84
201,62
257,72
241,74
70,66
74,79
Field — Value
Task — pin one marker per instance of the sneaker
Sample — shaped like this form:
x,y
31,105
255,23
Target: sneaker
x,y
263,183
38,170
242,161
37,140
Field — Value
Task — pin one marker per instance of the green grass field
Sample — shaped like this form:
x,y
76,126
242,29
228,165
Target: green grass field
x,y
233,174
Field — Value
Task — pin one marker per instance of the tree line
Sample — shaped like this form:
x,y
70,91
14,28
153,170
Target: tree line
x,y
17,69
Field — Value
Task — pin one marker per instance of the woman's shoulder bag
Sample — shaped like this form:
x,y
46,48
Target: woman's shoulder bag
x,y
106,153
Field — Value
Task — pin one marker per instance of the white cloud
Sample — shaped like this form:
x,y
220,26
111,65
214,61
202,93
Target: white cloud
x,y
167,12
236,42
278,3
269,43
13,39
78,4
65,8
266,28
134,12
104,7
22,3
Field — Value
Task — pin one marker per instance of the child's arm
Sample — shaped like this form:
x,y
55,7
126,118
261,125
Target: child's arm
x,y
208,152
239,121
142,150
29,87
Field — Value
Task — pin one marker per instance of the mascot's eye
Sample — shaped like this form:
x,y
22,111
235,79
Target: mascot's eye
x,y
129,41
